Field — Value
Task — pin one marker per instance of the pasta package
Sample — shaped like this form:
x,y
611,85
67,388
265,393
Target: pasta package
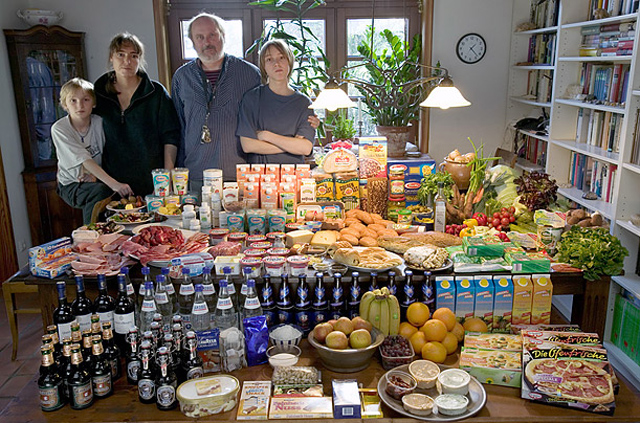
x,y
325,187
376,195
347,186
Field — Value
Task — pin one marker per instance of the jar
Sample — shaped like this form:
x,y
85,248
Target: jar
x,y
254,263
260,245
394,205
274,265
396,182
256,238
216,236
237,237
188,214
404,216
213,178
254,252
298,265
194,225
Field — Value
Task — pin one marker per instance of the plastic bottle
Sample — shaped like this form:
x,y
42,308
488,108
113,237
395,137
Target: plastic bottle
x,y
252,305
200,314
169,288
209,292
206,195
243,289
216,208
163,302
440,213
226,315
185,298
194,225
148,308
145,277
205,216
188,214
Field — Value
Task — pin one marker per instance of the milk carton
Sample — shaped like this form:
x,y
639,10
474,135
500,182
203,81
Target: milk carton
x,y
465,298
483,305
541,299
522,292
445,292
502,303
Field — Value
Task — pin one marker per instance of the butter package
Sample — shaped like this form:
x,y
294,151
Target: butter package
x,y
527,262
301,408
254,400
52,259
486,245
493,367
371,408
346,399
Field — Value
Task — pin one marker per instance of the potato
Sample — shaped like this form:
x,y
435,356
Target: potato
x,y
584,223
579,213
368,241
573,220
596,220
349,238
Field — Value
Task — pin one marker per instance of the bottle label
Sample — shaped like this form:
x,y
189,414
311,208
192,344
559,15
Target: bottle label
x,y
251,303
85,321
102,385
302,319
337,297
392,289
146,389
187,289
130,290
428,293
166,395
244,289
115,367
133,367
408,294
200,308
51,398
208,289
319,316
231,288
271,318
267,296
169,288
81,395
161,298
284,291
123,322
195,373
284,316
64,330
224,303
186,321
320,301
106,316
303,294
148,306
354,294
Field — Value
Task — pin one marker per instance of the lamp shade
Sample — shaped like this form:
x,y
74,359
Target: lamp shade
x,y
332,99
445,97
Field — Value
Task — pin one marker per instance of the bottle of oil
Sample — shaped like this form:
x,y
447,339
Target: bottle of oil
x,y
440,215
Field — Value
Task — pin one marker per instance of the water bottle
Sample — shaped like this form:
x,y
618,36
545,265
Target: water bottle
x,y
243,289
163,302
209,292
185,298
148,308
226,315
171,291
230,287
200,315
145,277
252,305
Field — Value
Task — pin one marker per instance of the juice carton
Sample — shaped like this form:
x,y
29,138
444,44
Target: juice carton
x,y
269,196
502,303
445,292
258,168
287,169
522,292
483,306
541,299
465,298
273,169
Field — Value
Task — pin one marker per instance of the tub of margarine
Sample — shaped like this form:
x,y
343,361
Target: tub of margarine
x,y
208,396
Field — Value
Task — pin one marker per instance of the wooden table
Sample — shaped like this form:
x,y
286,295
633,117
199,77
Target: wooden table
x,y
503,404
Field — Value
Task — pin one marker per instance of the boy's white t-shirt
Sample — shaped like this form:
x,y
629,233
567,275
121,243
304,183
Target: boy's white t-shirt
x,y
72,152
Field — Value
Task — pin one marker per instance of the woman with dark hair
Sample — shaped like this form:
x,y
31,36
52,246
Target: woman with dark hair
x,y
140,123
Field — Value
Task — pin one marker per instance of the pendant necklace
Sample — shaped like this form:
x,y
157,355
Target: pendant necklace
x,y
82,136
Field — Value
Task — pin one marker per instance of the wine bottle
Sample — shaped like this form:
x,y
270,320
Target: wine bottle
x,y
82,307
124,313
63,315
104,304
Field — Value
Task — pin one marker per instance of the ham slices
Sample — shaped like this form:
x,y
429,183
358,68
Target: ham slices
x,y
162,243
101,256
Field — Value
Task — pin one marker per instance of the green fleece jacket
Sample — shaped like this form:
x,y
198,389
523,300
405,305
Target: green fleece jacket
x,y
135,137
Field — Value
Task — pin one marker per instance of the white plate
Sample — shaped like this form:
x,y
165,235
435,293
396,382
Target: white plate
x,y
118,210
160,263
137,222
448,264
118,228
377,269
477,399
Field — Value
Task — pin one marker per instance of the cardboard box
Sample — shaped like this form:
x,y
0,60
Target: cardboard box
x,y
541,299
346,399
370,150
301,408
52,259
493,367
493,341
465,298
630,330
371,404
483,306
485,246
254,400
446,292
414,171
522,293
502,303
209,350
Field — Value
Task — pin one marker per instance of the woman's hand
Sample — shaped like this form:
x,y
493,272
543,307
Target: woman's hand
x,y
123,189
314,121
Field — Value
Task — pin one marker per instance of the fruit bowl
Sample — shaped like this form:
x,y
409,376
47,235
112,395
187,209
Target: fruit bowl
x,y
348,360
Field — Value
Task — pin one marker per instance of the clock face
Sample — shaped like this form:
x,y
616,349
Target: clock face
x,y
471,48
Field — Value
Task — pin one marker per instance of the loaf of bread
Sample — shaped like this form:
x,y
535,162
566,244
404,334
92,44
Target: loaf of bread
x,y
439,239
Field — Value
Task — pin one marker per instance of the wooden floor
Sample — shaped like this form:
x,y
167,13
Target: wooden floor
x,y
15,375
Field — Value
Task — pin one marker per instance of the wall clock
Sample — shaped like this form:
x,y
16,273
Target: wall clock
x,y
471,48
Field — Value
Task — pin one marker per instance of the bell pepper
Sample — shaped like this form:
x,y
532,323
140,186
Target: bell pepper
x,y
467,232
481,218
470,223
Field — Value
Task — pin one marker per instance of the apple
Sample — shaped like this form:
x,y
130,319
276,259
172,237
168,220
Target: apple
x,y
332,322
337,340
360,323
360,338
321,331
344,325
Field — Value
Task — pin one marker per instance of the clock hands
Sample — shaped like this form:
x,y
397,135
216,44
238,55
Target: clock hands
x,y
471,48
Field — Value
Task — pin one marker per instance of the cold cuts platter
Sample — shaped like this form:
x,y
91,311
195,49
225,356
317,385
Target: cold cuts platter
x,y
157,244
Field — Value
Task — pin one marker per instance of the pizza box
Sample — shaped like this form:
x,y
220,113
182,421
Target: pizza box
x,y
494,367
493,341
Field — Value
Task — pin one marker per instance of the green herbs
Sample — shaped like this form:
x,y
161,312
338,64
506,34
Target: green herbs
x,y
537,190
478,167
429,186
594,250
341,126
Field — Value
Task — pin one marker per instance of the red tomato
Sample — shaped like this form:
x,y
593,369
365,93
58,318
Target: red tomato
x,y
496,221
504,221
496,215
512,218
512,209
498,228
504,210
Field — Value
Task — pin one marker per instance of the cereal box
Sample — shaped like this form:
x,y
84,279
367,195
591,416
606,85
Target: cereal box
x,y
372,152
465,298
325,187
541,299
254,400
502,303
493,367
483,306
522,292
445,292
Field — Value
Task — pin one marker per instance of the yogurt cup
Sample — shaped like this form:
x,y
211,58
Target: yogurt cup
x,y
294,226
281,252
271,236
216,236
298,265
237,237
254,263
161,182
172,199
453,381
274,265
260,245
256,238
180,180
154,202
254,252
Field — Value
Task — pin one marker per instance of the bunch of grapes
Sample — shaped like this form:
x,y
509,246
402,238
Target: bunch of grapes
x,y
396,346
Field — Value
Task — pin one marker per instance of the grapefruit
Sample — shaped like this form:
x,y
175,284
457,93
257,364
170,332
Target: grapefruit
x,y
418,341
418,314
475,324
434,351
450,343
458,331
407,329
446,316
434,330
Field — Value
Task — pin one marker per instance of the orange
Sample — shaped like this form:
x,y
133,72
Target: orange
x,y
434,351
417,314
418,341
450,343
407,329
475,324
446,316
434,330
458,331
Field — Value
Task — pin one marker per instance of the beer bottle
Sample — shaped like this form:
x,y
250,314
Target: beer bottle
x,y
47,341
355,294
79,381
393,289
76,336
336,303
124,313
132,358
319,302
95,323
111,351
100,370
267,302
373,285
65,366
50,383
55,341
174,352
82,306
408,293
176,330
303,304
166,382
192,365
87,356
284,302
63,315
428,292
104,305
146,378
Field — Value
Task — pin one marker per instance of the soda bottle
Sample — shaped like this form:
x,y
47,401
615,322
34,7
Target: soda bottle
x,y
267,302
252,305
185,298
124,313
148,308
79,381
393,289
169,288
428,292
132,357
284,302
146,272
319,302
226,315
163,303
408,293
147,377
82,307
50,382
104,305
355,294
336,303
302,304
63,315
100,370
209,292
192,365
200,314
166,382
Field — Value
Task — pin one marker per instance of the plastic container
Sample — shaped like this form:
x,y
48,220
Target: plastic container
x,y
418,404
389,362
274,265
255,264
154,202
282,252
285,335
172,199
213,178
188,214
232,262
283,355
216,236
256,238
453,381
313,226
235,221
425,372
451,404
277,219
208,396
240,237
399,384
298,265
256,253
260,245
271,236
161,182
257,221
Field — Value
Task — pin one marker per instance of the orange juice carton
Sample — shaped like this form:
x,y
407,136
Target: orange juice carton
x,y
483,305
541,299
287,170
252,194
258,168
242,170
445,292
502,303
465,298
269,196
522,293
273,169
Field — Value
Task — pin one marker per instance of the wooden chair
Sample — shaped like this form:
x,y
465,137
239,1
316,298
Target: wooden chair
x,y
9,289
506,157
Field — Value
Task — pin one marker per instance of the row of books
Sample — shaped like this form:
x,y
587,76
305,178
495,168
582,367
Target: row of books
x,y
607,83
613,7
635,150
542,49
608,40
590,175
599,129
539,85
544,13
531,148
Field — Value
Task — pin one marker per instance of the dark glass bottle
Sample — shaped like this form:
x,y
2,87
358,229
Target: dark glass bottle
x,y
178,335
156,330
192,365
82,306
63,315
355,294
131,357
50,383
284,302
111,351
76,335
100,370
95,323
79,381
47,341
87,356
65,366
393,288
373,285
131,292
174,360
336,302
166,382
104,304
124,313
148,336
55,341
428,292
267,302
147,377
408,294
302,304
319,302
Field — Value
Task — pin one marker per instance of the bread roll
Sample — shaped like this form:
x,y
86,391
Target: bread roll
x,y
347,256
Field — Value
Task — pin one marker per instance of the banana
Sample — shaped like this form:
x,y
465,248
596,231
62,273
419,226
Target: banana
x,y
394,315
377,292
374,313
365,303
385,319
385,291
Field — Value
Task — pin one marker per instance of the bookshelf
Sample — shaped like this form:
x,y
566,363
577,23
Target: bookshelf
x,y
594,122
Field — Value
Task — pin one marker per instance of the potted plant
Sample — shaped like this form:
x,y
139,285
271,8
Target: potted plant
x,y
341,127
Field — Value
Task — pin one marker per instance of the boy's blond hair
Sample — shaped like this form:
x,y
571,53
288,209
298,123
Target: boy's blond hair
x,y
283,48
76,84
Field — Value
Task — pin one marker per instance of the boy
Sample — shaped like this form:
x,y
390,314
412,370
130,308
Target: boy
x,y
79,141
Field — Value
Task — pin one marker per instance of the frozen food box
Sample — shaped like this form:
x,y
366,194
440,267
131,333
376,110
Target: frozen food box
x,y
493,367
